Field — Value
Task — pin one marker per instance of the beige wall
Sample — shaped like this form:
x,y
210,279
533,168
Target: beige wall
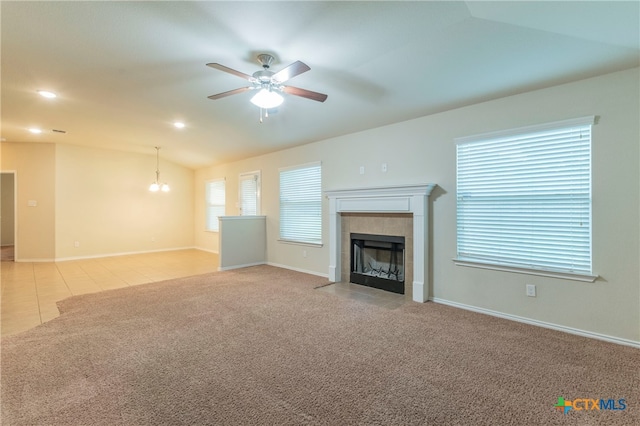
x,y
103,203
423,151
7,210
34,164
99,198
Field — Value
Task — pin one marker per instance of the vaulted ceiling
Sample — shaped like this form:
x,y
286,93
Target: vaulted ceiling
x,y
124,72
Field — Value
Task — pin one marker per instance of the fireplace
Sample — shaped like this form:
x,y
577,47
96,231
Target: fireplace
x,y
378,261
395,201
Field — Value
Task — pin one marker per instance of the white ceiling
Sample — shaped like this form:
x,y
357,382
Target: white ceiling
x,y
125,71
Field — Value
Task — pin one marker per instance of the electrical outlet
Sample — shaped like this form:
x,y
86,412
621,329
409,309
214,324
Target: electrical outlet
x,y
76,244
304,253
361,170
384,167
531,290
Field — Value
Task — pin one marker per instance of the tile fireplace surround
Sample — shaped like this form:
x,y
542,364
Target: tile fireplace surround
x,y
383,202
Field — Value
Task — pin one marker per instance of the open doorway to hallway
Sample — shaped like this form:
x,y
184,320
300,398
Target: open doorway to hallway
x,y
7,216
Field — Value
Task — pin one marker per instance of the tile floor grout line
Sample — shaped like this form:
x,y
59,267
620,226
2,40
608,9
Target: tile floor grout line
x,y
64,280
104,269
35,286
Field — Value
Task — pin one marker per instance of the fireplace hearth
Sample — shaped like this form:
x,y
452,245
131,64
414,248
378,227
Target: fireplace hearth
x,y
378,261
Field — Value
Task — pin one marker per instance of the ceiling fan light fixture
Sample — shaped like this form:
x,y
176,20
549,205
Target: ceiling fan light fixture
x,y
267,99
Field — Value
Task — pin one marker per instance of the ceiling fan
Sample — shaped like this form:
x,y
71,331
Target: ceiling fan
x,y
269,83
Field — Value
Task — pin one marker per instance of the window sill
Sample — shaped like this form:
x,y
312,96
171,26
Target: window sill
x,y
300,243
530,271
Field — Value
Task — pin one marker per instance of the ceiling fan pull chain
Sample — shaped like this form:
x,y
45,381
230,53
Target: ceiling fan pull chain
x,y
264,113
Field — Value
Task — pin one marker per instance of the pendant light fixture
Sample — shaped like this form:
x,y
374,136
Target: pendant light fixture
x,y
156,186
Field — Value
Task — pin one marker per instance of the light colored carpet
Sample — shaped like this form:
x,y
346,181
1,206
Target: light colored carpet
x,y
261,346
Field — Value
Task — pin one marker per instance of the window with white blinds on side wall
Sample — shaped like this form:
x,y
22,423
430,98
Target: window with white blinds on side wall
x,y
524,197
301,204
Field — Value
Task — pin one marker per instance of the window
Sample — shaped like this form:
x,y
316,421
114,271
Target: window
x,y
250,194
524,199
215,203
301,204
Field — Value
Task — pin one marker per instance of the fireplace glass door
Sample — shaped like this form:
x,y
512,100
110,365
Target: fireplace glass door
x,y
378,261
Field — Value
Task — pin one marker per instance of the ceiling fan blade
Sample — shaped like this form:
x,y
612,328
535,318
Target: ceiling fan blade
x,y
229,93
291,71
230,71
315,96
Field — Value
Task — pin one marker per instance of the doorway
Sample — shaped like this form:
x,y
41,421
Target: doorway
x,y
7,216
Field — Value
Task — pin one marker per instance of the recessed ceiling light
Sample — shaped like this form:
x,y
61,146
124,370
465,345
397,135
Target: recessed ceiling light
x,y
179,125
35,131
47,94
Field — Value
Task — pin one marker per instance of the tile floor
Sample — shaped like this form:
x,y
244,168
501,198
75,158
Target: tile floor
x,y
29,291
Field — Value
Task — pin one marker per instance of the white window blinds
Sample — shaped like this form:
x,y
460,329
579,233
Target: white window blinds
x,y
301,204
215,195
524,197
250,194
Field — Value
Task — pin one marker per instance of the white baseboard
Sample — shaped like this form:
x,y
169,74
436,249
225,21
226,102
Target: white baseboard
x,y
305,271
571,330
228,268
34,260
207,250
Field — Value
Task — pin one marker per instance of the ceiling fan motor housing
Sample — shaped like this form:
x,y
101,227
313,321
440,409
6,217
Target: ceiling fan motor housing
x,y
263,75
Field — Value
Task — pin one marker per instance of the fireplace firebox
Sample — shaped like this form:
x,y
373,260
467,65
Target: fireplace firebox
x,y
378,261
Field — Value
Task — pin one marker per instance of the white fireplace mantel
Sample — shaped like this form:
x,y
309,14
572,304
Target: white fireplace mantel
x,y
390,199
